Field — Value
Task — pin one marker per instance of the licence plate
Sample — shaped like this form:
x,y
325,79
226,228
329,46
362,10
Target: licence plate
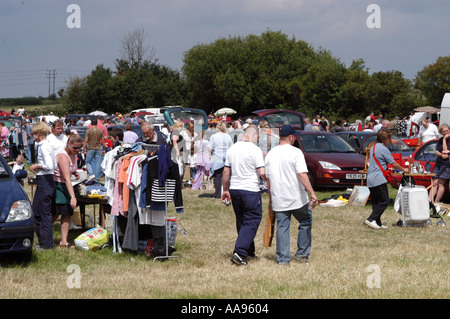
x,y
355,176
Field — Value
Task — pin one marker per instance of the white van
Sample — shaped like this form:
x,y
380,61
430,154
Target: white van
x,y
48,118
445,109
150,110
154,110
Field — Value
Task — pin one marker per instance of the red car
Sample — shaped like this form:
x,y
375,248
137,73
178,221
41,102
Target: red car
x,y
331,161
279,117
141,116
360,140
4,113
424,156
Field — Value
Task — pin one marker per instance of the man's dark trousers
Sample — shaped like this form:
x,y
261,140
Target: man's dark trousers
x,y
248,210
42,209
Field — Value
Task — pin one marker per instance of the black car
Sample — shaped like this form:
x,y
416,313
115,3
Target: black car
x,y
359,140
85,117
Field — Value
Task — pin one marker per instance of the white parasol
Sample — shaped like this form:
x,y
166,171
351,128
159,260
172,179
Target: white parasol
x,y
225,111
98,113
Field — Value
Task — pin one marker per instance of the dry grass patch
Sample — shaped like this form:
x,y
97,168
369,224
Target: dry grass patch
x,y
413,262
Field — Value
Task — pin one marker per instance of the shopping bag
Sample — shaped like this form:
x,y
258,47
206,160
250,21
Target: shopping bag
x,y
180,166
92,239
398,198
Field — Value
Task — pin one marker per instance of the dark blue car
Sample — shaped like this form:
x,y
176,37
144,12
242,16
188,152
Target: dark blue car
x,y
16,218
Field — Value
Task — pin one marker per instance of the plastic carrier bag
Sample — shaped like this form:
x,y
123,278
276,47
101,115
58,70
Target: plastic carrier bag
x,y
92,239
173,229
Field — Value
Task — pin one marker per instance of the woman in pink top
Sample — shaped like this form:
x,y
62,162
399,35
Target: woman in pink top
x,y
65,200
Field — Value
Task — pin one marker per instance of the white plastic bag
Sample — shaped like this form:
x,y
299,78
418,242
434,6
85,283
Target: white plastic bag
x,y
397,202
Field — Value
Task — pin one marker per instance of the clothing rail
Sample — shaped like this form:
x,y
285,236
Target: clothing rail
x,y
152,150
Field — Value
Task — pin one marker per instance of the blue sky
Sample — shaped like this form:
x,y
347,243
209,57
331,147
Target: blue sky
x,y
34,36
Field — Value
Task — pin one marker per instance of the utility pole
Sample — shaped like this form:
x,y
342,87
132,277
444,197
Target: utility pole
x,y
49,80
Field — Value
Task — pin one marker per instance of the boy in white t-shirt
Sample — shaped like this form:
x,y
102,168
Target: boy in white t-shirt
x,y
244,165
18,164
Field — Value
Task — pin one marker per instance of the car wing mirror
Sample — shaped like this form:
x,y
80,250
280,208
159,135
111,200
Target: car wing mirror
x,y
20,174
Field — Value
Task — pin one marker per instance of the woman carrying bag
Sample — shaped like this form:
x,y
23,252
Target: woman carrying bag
x,y
380,158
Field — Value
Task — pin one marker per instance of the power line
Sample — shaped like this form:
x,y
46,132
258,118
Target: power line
x,y
49,79
20,84
20,79
18,72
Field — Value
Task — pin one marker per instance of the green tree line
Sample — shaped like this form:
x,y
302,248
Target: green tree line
x,y
253,72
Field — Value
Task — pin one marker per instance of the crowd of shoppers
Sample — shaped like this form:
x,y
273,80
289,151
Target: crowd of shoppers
x,y
234,162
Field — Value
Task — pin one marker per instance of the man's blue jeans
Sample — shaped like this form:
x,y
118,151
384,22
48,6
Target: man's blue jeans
x,y
94,160
28,153
304,217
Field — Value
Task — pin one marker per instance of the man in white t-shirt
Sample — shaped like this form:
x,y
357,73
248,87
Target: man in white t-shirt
x,y
20,111
57,139
427,132
244,165
381,124
288,182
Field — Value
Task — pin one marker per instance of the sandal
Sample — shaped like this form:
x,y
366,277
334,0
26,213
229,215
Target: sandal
x,y
66,246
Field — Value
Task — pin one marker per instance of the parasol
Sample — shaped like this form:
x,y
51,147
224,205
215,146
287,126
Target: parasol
x,y
428,109
225,111
98,113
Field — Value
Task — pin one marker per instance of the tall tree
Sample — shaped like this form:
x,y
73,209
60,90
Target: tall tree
x,y
133,48
355,89
246,73
390,94
97,91
152,85
322,84
434,80
72,97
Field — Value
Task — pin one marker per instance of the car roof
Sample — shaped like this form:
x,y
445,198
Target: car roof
x,y
299,132
6,117
263,112
356,132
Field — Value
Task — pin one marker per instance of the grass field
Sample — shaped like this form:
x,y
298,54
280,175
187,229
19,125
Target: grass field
x,y
348,260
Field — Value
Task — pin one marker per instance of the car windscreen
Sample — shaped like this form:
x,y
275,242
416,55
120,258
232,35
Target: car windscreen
x,y
278,119
267,141
324,143
396,145
355,140
427,153
3,170
198,117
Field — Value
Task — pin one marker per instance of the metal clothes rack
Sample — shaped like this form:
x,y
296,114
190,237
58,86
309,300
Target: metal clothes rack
x,y
167,231
151,149
154,149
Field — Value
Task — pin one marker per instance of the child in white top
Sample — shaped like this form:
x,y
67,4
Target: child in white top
x,y
18,164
